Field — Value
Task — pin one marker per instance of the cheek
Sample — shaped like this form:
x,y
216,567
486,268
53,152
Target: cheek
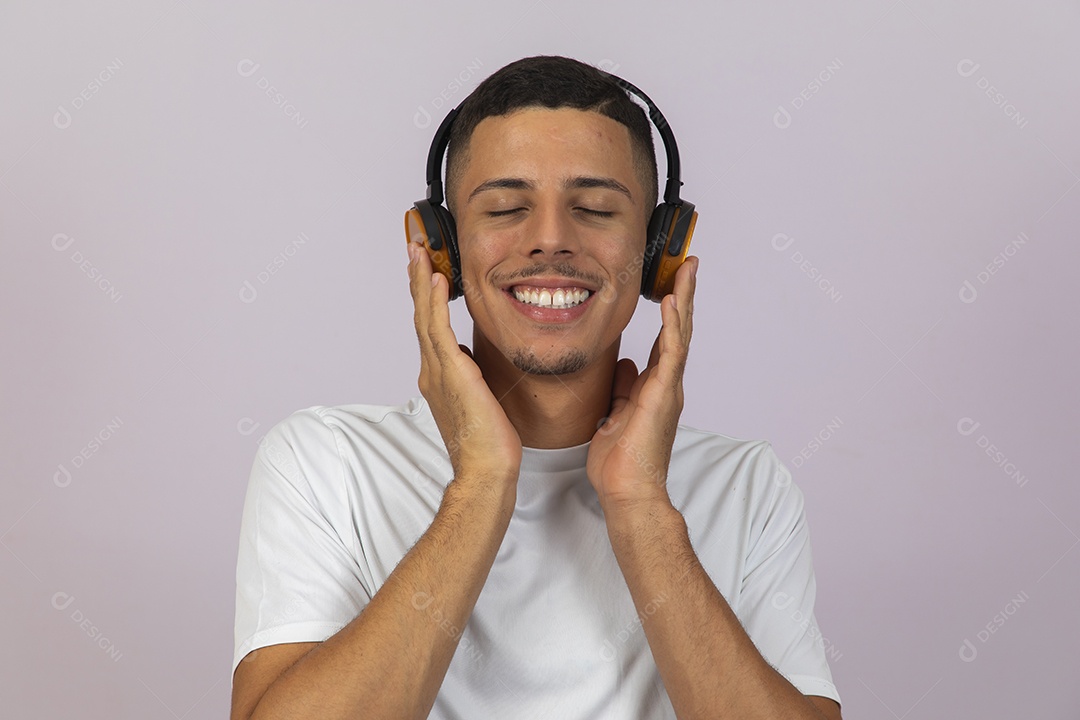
x,y
474,252
627,265
623,283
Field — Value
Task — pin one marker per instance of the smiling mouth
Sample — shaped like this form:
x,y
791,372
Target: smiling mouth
x,y
553,298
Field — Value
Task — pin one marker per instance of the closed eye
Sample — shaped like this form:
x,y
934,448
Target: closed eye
x,y
590,211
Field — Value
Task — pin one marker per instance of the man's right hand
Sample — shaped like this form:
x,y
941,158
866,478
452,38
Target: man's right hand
x,y
479,437
391,659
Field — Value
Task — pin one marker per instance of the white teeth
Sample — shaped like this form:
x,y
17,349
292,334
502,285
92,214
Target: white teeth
x,y
561,298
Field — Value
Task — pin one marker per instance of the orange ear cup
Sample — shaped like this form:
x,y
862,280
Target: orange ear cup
x,y
664,284
440,259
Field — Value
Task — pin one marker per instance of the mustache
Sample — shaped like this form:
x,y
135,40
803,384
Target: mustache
x,y
561,269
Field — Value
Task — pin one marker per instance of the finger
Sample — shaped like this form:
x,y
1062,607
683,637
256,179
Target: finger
x,y
654,354
416,251
433,312
691,291
622,385
424,381
420,288
666,322
672,347
625,375
685,285
439,331
440,354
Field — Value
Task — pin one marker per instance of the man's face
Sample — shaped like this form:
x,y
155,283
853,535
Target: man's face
x,y
550,198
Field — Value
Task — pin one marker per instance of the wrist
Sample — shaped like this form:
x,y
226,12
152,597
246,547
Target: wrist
x,y
484,485
638,514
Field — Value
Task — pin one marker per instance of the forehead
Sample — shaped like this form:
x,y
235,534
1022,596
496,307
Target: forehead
x,y
545,138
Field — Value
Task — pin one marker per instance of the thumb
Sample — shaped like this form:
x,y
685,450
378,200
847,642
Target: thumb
x,y
625,375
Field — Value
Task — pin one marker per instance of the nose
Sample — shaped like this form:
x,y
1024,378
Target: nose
x,y
553,233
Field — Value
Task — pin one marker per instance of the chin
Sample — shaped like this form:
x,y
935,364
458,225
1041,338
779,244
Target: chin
x,y
567,363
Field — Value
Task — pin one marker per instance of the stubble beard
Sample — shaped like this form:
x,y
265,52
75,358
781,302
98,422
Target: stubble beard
x,y
570,361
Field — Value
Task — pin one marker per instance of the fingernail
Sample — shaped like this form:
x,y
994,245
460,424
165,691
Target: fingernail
x,y
693,269
434,279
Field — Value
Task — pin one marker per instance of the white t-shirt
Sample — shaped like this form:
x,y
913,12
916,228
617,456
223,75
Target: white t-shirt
x,y
338,495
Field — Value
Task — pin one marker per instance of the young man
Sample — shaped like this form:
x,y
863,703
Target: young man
x,y
536,535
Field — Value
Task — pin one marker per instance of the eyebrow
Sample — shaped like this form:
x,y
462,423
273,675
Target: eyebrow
x,y
578,182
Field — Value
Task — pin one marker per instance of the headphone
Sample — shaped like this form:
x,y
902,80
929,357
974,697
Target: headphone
x,y
667,238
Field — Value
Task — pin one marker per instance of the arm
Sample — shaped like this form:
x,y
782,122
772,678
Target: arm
x,y
391,659
709,665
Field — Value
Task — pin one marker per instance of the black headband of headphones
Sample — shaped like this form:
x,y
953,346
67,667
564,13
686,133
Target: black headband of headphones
x,y
671,190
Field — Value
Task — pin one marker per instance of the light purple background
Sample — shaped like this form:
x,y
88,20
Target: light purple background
x,y
177,179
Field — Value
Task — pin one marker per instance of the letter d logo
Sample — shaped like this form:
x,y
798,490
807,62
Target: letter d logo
x,y
966,426
782,118
64,244
968,293
62,118
422,118
61,600
782,601
248,293
62,477
246,426
966,67
246,67
782,237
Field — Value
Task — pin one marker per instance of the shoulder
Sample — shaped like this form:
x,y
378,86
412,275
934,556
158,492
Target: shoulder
x,y
326,425
744,461
318,443
411,414
746,473
388,432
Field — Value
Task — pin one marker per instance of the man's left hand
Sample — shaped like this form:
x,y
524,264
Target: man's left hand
x,y
629,454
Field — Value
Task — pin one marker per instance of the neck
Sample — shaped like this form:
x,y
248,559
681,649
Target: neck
x,y
549,411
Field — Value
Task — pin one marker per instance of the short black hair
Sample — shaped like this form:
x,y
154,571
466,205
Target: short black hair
x,y
554,82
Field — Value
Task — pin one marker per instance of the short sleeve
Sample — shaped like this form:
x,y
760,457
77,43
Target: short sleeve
x,y
776,605
296,579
